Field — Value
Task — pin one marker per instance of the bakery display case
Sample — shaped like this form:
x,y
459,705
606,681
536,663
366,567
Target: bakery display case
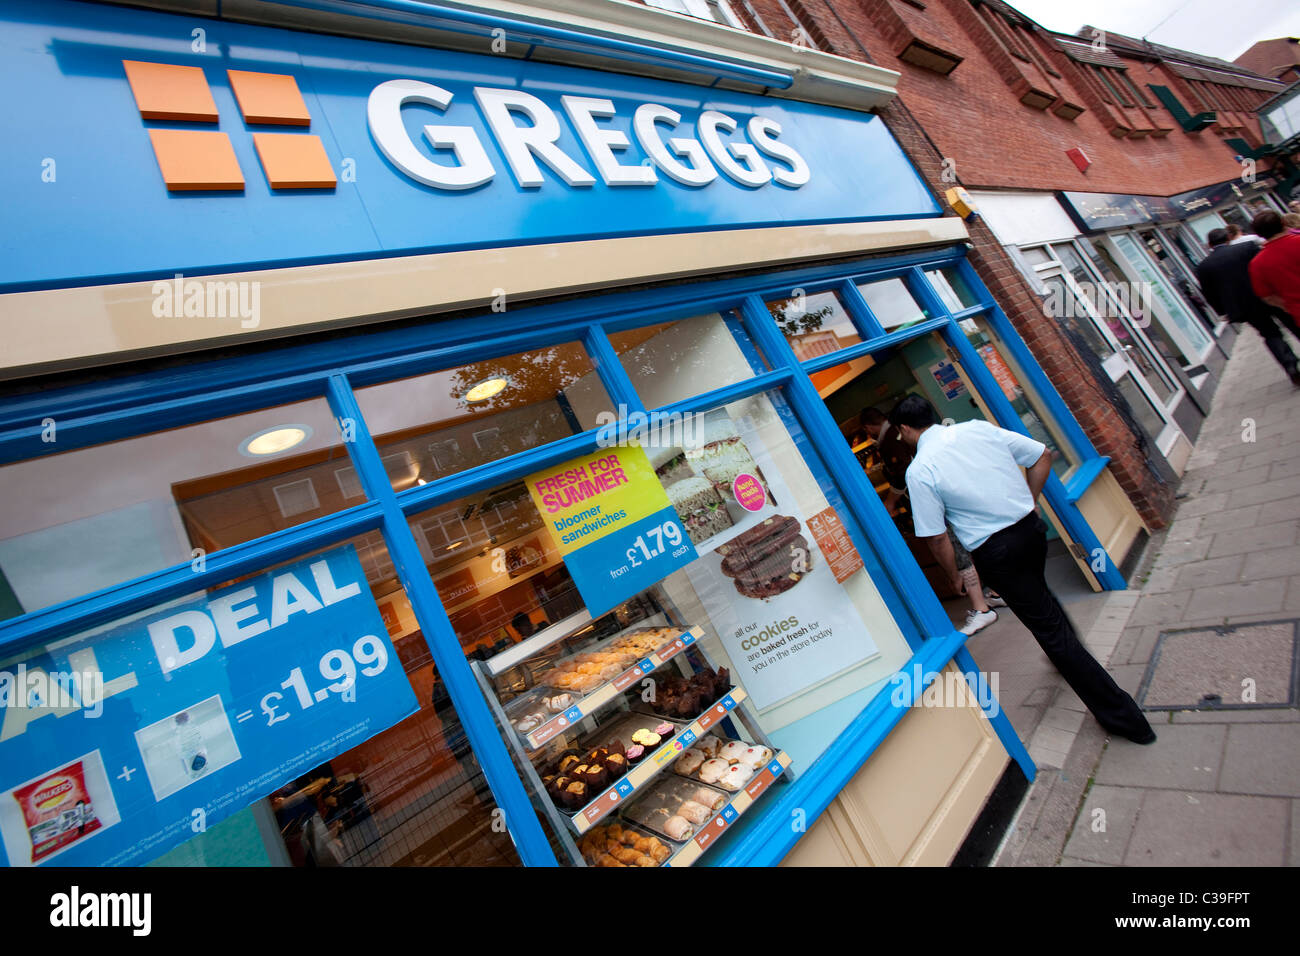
x,y
636,748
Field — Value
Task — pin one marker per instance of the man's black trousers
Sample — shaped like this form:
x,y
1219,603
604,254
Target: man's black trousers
x,y
1011,562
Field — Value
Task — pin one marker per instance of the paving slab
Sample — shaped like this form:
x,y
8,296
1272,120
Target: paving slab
x,y
1268,491
1244,597
1192,507
1262,537
1275,563
1102,830
1294,857
1185,757
1262,759
1160,608
1199,574
1175,828
1231,520
1262,715
1229,476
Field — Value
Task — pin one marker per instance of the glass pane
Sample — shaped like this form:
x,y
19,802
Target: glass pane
x,y
83,520
1067,308
1156,333
675,360
1022,397
816,324
1143,410
298,708
952,289
892,304
1037,256
434,425
1182,317
520,616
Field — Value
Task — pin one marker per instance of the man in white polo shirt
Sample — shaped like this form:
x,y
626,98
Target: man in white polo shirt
x,y
970,474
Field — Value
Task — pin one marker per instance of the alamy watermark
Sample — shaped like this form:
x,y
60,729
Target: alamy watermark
x,y
656,429
208,299
39,689
948,688
1108,300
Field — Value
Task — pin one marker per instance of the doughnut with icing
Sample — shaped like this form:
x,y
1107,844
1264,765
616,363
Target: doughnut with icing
x,y
736,776
711,771
732,750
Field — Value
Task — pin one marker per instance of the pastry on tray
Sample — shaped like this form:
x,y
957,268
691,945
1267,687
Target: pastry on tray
x,y
735,777
711,771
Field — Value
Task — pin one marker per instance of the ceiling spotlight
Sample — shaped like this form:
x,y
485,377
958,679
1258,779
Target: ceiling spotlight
x,y
486,389
272,441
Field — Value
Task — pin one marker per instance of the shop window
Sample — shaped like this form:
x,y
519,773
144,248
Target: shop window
x,y
83,520
675,360
1145,413
892,304
781,607
292,716
957,295
1168,350
448,421
815,324
1016,389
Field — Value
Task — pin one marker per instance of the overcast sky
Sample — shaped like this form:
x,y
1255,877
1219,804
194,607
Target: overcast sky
x,y
1222,28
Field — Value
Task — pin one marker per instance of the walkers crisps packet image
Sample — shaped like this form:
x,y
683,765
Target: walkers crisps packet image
x,y
57,810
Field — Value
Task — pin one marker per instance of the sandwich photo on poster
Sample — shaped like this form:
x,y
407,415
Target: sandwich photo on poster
x,y
713,482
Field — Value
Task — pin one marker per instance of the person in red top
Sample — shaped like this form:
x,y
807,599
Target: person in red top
x,y
1275,270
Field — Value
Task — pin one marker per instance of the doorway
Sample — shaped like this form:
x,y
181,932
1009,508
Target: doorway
x,y
925,366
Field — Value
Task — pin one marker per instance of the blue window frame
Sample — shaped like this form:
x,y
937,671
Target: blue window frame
x,y
147,402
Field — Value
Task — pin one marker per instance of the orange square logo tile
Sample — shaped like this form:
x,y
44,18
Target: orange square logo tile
x,y
192,159
269,98
205,160
293,161
166,92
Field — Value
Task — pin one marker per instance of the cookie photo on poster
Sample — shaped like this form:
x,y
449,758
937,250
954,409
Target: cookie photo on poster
x,y
769,559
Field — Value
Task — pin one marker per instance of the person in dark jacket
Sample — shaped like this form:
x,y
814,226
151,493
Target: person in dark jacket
x,y
1225,281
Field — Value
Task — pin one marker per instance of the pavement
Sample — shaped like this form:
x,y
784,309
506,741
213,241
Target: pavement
x,y
1205,639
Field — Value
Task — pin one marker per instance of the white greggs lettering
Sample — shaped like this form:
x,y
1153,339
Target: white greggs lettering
x,y
235,617
689,161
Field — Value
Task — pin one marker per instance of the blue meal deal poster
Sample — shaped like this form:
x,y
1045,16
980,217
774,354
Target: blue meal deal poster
x,y
613,524
120,745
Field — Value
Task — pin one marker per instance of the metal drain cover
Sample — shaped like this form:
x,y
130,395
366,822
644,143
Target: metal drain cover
x,y
1223,668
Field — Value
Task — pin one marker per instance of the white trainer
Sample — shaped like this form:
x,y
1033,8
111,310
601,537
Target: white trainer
x,y
978,620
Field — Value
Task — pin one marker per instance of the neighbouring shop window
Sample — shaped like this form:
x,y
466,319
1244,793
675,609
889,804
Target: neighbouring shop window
x,y
815,324
1143,410
1075,317
1167,349
1114,312
675,360
83,520
438,424
892,304
1182,318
